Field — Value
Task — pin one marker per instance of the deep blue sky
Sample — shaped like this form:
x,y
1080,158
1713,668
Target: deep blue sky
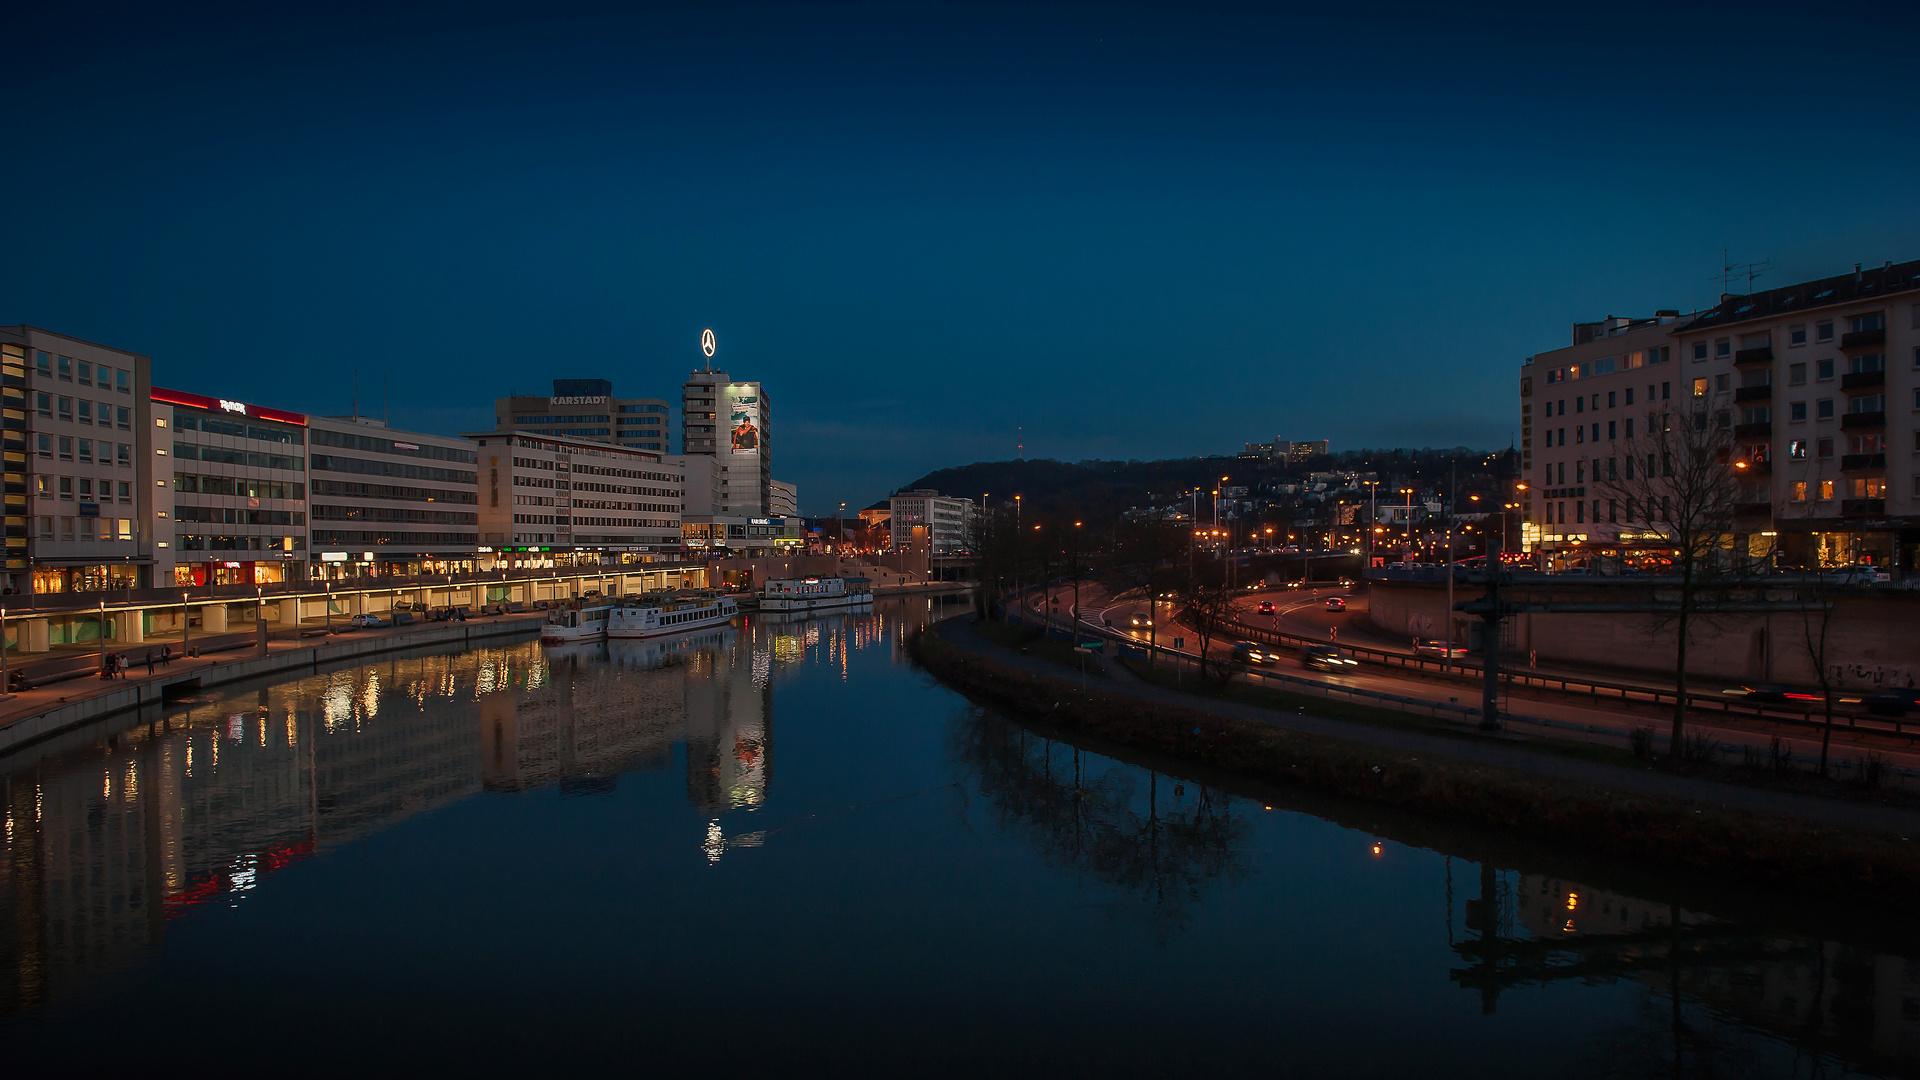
x,y
1137,231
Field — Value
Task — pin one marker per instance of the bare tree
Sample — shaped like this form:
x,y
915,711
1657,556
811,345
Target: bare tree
x,y
1208,606
1679,479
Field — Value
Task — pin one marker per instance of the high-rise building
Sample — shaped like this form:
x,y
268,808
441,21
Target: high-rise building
x,y
79,464
730,422
587,409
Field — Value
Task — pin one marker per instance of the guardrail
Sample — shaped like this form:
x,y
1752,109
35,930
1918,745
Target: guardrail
x,y
1452,711
1597,690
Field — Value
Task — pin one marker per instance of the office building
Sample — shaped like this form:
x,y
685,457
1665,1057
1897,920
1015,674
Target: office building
x,y
784,499
730,422
1820,383
232,491
1579,407
78,462
587,409
948,522
566,501
389,503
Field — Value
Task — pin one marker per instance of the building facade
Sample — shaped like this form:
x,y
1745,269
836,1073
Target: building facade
x,y
573,501
389,503
784,499
948,521
1579,407
587,409
1820,383
234,484
78,463
730,421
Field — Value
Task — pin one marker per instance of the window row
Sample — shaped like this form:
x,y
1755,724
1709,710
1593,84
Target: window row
x,y
68,448
67,369
47,486
85,528
53,406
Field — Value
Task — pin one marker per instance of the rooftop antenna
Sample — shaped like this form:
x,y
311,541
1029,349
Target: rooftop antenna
x,y
1730,270
356,395
383,401
1019,445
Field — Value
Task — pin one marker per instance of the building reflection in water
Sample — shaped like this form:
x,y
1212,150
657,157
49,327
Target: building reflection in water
x,y
104,838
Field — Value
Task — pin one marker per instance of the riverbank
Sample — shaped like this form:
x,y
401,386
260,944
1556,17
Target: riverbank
x,y
1776,839
36,714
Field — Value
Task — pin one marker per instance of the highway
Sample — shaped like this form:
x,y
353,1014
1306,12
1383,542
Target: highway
x,y
1303,613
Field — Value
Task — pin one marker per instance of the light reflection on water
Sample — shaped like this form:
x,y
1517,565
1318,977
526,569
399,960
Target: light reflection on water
x,y
933,870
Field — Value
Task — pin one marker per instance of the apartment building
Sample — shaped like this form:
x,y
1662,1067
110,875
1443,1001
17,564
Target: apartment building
x,y
231,490
785,499
548,501
730,422
587,409
1820,382
389,502
78,462
948,521
1579,407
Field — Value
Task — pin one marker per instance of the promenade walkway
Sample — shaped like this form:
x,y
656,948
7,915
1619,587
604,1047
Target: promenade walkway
x,y
1507,750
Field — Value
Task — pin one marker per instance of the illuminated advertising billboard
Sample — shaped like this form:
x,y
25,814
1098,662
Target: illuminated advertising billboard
x,y
744,421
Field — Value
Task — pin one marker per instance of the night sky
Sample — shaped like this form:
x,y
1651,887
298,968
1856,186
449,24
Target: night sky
x,y
1137,231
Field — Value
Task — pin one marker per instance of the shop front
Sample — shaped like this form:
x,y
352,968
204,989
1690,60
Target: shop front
x,y
345,565
235,572
89,576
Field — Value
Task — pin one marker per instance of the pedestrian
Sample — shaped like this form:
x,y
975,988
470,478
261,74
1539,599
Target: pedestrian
x,y
166,656
149,661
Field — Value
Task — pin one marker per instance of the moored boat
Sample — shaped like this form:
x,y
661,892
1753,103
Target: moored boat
x,y
669,613
577,621
814,594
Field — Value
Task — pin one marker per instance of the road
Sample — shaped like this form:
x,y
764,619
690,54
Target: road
x,y
1304,613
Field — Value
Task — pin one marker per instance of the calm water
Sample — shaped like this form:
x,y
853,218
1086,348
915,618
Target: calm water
x,y
780,847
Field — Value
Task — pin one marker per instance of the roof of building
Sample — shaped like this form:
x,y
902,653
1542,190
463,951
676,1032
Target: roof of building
x,y
1811,295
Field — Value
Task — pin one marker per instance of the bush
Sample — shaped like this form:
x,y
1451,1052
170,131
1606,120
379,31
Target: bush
x,y
1641,738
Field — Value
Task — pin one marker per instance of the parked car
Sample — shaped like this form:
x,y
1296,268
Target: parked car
x,y
1440,650
367,622
1266,607
1336,603
1859,575
1325,658
1247,652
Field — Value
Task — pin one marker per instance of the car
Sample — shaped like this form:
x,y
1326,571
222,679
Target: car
x,y
1266,607
1892,701
1140,620
1325,658
1336,603
1440,649
367,622
1774,693
1247,652
1859,575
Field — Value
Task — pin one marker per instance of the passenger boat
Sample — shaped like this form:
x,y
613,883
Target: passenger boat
x,y
814,594
578,621
669,613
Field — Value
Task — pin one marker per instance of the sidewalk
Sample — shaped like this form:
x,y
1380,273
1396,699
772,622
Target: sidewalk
x,y
1506,751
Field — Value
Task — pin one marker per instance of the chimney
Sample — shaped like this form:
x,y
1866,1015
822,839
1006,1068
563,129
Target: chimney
x,y
1856,273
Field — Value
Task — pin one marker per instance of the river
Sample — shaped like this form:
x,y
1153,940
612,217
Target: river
x,y
780,847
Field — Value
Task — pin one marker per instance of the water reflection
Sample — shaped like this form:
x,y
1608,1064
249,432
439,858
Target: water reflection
x,y
1153,841
664,751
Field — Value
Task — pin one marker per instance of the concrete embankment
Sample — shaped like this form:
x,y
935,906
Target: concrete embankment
x,y
1819,846
65,705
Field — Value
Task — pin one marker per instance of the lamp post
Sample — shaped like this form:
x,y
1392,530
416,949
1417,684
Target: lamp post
x,y
186,625
329,606
260,616
103,637
6,682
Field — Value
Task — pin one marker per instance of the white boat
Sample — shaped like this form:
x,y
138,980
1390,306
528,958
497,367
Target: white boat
x,y
576,622
649,616
814,594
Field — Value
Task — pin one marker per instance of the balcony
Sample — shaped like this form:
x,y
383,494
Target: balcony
x,y
1761,355
1862,507
1752,509
1755,430
1753,393
1862,462
1862,380
1863,339
1861,421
